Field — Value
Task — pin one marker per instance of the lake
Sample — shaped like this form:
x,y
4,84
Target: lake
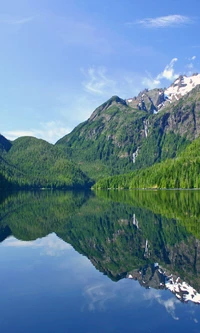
x,y
111,261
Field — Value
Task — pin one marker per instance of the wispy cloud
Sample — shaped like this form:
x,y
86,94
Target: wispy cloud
x,y
97,81
98,295
170,304
168,74
190,67
12,135
100,82
98,85
7,19
163,21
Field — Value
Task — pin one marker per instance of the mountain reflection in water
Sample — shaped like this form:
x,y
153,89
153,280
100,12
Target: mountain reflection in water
x,y
149,236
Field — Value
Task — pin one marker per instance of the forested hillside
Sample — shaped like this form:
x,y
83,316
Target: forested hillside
x,y
180,172
28,162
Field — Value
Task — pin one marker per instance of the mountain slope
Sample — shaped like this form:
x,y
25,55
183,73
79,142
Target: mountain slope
x,y
107,137
124,135
5,144
32,162
181,172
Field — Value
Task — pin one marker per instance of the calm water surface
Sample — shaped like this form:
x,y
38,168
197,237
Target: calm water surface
x,y
111,262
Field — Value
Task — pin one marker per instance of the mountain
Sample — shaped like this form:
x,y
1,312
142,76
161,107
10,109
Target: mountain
x,y
181,86
154,276
121,136
33,163
154,100
180,172
126,135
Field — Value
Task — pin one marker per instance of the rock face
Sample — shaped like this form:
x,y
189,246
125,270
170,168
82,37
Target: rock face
x,y
124,135
154,100
153,276
150,101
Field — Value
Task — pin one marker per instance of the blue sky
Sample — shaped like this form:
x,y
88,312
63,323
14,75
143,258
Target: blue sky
x,y
60,59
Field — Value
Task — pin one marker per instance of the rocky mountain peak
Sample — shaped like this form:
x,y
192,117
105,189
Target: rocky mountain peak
x,y
113,101
154,276
148,100
154,100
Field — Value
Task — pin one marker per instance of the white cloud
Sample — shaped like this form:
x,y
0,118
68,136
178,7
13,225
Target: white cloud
x,y
50,245
169,304
191,58
168,72
12,135
98,83
163,21
50,131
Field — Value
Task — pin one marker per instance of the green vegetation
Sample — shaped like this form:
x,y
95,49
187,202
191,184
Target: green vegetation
x,y
182,205
107,139
106,142
119,138
32,163
112,229
181,172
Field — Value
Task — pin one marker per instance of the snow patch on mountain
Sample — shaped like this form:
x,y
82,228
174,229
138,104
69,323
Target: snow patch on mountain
x,y
153,276
152,101
182,290
181,86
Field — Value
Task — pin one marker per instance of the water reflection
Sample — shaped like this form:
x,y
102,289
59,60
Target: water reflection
x,y
50,245
148,236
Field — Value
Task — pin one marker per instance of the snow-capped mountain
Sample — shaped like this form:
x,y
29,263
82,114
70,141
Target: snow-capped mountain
x,y
153,276
126,135
182,86
154,100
